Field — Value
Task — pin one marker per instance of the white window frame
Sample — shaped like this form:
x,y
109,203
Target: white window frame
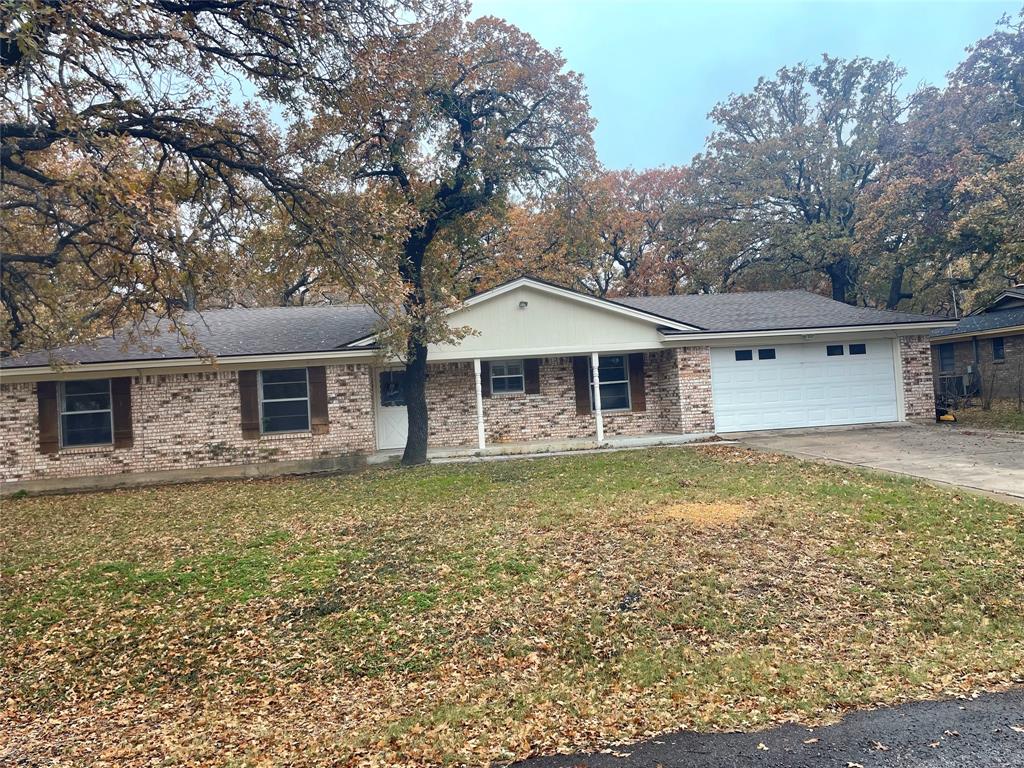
x,y
629,389
309,417
61,413
521,376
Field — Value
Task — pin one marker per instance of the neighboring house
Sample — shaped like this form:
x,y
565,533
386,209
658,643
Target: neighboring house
x,y
984,352
305,388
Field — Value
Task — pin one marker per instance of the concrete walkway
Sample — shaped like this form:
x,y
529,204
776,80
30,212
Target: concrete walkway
x,y
991,462
986,732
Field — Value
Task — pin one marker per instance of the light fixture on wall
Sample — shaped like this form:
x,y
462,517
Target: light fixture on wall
x,y
523,304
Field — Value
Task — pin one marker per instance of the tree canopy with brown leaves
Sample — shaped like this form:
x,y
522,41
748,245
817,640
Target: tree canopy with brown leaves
x,y
436,132
122,135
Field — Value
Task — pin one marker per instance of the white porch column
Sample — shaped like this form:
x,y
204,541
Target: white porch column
x,y
479,404
595,365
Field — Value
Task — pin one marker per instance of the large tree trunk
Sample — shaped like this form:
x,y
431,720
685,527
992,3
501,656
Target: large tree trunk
x,y
840,273
896,292
414,388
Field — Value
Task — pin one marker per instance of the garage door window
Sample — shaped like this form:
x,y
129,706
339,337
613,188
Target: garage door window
x,y
744,354
766,354
834,350
858,349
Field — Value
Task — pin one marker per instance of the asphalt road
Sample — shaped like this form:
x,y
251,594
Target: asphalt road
x,y
977,733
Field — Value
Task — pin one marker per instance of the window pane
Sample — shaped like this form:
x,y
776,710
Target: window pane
x,y
612,368
858,349
946,357
614,397
766,354
86,428
744,354
91,395
507,384
834,350
287,374
998,350
507,368
285,416
99,401
391,389
284,391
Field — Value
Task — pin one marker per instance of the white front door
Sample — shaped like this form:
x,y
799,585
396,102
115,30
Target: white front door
x,y
392,416
780,386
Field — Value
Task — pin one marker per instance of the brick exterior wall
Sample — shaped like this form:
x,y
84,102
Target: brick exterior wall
x,y
697,412
192,421
551,414
1002,375
185,421
918,387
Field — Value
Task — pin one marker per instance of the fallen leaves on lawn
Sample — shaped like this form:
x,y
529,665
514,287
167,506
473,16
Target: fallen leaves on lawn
x,y
468,615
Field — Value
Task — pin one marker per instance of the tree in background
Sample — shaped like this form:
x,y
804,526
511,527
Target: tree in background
x,y
427,144
787,167
124,141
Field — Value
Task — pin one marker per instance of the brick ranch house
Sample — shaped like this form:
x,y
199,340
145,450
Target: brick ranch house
x,y
294,389
983,351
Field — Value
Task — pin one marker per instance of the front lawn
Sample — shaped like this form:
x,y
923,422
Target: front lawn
x,y
470,613
1003,415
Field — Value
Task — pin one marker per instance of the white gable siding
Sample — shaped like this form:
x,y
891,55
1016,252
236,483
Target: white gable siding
x,y
548,326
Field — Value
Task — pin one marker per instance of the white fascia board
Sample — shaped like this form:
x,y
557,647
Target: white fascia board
x,y
179,365
803,334
1010,330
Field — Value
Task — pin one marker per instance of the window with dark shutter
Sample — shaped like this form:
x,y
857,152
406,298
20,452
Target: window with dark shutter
x,y
86,413
284,400
637,390
485,378
531,372
319,420
249,397
121,406
49,432
581,382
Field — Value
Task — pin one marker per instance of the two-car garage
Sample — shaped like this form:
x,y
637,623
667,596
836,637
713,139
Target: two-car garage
x,y
811,384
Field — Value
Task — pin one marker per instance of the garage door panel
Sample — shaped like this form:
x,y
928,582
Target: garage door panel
x,y
803,386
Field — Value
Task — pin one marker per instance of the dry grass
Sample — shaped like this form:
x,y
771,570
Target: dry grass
x,y
468,614
707,514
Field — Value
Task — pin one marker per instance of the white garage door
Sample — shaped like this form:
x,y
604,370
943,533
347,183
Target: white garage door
x,y
803,385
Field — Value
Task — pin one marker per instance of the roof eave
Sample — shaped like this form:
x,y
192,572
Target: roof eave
x,y
906,329
34,372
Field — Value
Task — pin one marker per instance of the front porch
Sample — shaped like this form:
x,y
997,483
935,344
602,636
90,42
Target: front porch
x,y
503,406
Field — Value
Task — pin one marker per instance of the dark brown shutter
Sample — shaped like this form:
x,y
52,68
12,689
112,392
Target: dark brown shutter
x,y
637,391
248,381
531,376
49,435
581,378
319,422
485,378
121,407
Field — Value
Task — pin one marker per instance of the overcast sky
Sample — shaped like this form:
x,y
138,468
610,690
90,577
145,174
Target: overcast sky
x,y
655,68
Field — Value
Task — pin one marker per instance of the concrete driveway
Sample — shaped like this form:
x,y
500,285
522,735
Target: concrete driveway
x,y
992,462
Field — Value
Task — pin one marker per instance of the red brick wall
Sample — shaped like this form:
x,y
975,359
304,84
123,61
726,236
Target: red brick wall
x,y
918,385
185,421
